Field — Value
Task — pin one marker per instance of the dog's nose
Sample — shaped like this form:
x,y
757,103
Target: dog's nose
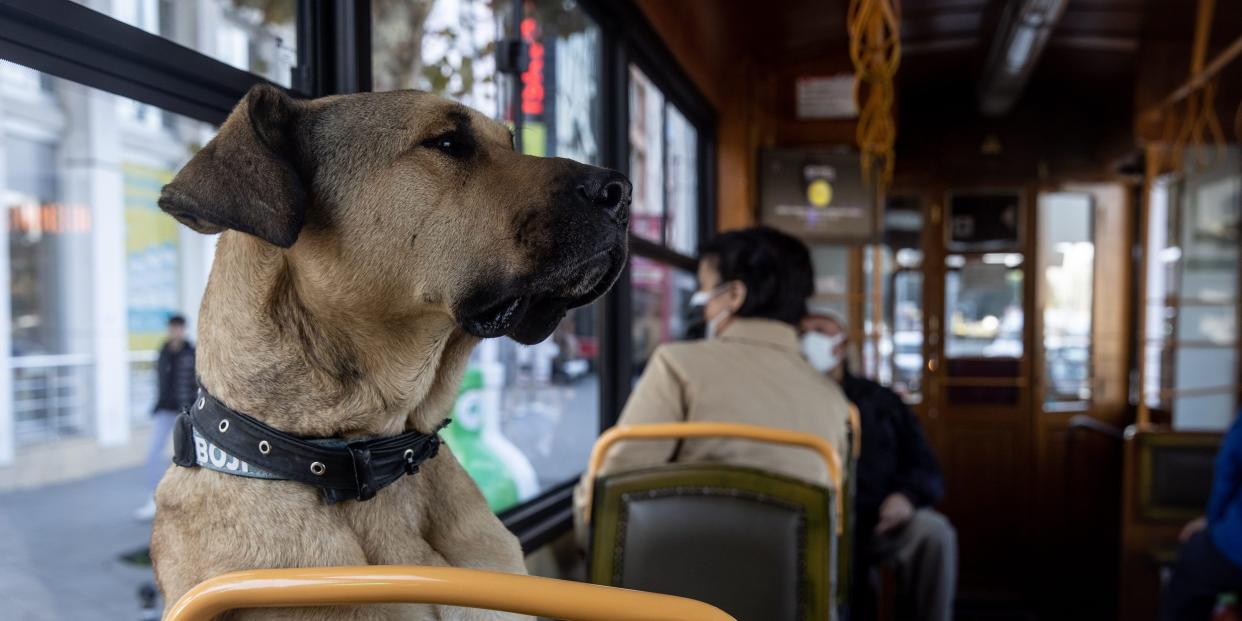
x,y
608,189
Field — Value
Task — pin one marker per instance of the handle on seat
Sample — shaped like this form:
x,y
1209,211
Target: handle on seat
x,y
856,427
448,586
677,431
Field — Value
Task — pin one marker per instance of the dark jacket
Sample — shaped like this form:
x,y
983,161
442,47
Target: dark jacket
x,y
895,456
177,381
1224,513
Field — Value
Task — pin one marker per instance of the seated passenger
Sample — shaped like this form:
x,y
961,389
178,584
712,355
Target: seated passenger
x,y
898,482
749,369
1210,561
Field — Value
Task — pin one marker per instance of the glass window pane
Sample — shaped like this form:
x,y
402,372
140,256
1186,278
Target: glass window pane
x,y
1163,261
660,298
1190,352
1209,236
907,362
983,300
646,157
259,36
1204,318
832,280
1067,263
446,48
877,347
559,110
78,170
682,219
903,232
526,416
893,345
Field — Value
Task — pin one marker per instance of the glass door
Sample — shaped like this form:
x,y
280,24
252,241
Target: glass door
x,y
975,381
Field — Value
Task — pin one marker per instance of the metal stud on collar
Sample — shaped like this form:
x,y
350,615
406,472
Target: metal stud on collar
x,y
409,454
224,425
202,402
318,469
265,447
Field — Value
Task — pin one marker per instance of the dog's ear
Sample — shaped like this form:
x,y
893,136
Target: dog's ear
x,y
245,179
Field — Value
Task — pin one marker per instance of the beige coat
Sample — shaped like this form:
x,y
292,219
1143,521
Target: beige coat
x,y
752,373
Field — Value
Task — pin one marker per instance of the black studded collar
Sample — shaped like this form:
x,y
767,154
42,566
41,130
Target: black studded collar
x,y
210,435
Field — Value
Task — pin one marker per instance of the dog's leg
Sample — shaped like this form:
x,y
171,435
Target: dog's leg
x,y
461,529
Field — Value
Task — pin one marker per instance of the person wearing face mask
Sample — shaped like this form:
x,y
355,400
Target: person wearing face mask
x,y
898,482
753,286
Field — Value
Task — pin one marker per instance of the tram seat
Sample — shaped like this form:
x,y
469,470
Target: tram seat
x,y
1168,480
845,548
757,545
446,586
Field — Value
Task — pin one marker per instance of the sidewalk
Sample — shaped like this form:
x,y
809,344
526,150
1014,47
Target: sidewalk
x,y
60,547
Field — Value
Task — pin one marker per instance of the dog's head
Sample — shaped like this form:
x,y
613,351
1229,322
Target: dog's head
x,y
413,202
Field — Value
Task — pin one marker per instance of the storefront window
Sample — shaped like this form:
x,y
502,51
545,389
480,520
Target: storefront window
x,y
81,174
259,36
526,416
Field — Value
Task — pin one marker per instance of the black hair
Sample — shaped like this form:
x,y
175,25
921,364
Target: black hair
x,y
775,267
176,320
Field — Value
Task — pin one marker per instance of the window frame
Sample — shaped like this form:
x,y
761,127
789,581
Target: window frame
x,y
74,42
634,41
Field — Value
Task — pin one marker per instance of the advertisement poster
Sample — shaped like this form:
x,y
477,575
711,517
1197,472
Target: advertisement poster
x,y
151,257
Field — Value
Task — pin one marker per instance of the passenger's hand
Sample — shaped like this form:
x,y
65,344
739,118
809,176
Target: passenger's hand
x,y
1192,527
895,512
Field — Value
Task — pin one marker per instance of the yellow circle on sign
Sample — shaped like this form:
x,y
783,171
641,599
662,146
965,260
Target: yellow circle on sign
x,y
819,193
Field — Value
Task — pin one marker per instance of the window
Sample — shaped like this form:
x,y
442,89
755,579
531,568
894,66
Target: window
x,y
80,168
660,297
663,167
893,332
446,48
983,300
80,172
832,277
907,318
526,417
259,36
1191,344
1067,267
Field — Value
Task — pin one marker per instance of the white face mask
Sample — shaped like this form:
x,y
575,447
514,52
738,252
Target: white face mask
x,y
701,298
821,350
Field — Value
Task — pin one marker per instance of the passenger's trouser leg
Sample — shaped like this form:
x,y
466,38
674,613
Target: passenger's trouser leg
x,y
1201,573
157,460
924,553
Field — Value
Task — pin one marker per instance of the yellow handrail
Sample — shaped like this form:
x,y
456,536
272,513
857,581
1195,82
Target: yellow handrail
x,y
856,426
673,431
447,586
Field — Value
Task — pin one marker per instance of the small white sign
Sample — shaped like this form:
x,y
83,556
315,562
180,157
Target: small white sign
x,y
826,97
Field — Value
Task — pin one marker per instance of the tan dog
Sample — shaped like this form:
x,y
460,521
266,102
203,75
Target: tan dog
x,y
369,242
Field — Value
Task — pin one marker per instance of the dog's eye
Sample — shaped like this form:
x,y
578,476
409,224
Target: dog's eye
x,y
450,144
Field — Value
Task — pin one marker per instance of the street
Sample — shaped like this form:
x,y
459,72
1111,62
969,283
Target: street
x,y
61,548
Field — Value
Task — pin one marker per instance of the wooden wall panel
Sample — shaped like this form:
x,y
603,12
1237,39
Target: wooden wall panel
x,y
984,470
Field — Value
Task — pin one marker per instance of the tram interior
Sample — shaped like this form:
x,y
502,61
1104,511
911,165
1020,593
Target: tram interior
x,y
1023,214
